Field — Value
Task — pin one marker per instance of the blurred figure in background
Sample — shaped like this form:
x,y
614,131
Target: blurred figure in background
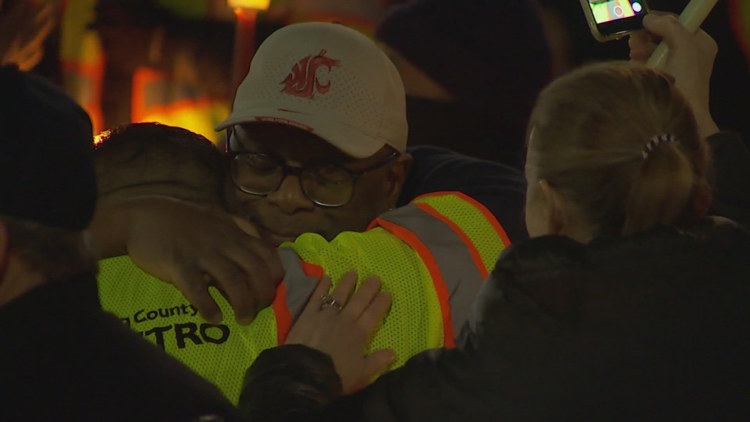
x,y
471,69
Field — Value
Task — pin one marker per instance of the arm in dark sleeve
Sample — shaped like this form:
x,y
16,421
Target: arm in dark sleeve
x,y
288,383
295,383
490,376
732,177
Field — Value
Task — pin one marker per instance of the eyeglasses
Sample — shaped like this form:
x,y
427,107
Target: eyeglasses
x,y
327,185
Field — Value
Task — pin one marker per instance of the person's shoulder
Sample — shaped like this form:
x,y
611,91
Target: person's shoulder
x,y
541,254
498,187
707,238
428,157
690,254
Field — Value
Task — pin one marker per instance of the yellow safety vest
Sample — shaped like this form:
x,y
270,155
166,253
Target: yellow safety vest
x,y
432,255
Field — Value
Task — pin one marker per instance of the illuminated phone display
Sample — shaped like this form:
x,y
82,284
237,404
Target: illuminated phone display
x,y
612,10
609,19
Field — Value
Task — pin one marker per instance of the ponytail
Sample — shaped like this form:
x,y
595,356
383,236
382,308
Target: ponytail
x,y
662,189
593,139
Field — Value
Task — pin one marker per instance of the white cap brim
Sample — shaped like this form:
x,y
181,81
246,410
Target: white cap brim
x,y
345,138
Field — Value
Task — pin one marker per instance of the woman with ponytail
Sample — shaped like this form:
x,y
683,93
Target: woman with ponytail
x,y
629,302
614,150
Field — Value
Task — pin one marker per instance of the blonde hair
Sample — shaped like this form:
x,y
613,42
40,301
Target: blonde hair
x,y
587,135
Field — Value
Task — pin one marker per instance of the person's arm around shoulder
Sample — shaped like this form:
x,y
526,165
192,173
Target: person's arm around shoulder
x,y
192,247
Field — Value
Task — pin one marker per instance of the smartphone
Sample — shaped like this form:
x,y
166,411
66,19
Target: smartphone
x,y
611,19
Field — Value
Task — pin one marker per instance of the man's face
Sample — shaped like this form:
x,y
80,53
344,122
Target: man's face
x,y
287,212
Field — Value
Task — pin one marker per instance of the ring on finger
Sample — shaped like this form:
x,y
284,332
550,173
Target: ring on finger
x,y
329,302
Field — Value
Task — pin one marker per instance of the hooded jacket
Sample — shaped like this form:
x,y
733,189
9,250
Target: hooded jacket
x,y
650,327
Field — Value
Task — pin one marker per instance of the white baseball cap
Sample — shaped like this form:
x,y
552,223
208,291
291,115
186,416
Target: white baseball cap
x,y
330,80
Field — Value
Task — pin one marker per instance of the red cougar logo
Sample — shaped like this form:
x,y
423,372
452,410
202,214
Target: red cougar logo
x,y
302,80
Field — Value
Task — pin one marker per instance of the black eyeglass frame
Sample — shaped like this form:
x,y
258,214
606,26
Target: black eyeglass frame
x,y
297,171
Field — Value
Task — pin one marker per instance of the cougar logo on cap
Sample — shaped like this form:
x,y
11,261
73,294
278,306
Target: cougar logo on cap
x,y
302,80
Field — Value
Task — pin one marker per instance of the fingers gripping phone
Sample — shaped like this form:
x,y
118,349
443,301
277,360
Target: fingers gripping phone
x,y
611,19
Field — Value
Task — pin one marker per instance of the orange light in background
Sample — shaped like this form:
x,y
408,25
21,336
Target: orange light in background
x,y
249,4
246,13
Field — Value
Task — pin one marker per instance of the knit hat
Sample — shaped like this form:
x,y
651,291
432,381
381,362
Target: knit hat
x,y
329,80
491,55
46,169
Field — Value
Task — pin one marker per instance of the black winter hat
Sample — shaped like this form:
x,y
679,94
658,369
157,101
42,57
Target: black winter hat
x,y
491,55
46,167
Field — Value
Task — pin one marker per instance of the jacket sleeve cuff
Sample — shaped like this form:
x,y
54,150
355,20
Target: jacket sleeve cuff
x,y
287,382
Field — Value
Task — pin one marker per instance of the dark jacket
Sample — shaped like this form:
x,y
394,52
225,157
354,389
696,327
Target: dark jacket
x,y
651,327
731,160
64,359
500,188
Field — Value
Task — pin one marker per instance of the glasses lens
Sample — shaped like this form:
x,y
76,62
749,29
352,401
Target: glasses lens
x,y
256,173
328,185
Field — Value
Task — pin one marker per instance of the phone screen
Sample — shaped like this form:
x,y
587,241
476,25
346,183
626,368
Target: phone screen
x,y
610,19
612,10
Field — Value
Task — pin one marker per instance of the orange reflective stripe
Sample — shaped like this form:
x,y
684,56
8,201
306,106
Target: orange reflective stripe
x,y
488,215
475,256
437,278
285,305
282,314
313,270
458,241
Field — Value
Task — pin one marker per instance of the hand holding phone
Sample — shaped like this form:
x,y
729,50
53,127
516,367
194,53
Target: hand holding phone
x,y
611,19
691,19
690,61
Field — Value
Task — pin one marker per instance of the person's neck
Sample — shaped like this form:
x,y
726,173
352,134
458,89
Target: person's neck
x,y
576,229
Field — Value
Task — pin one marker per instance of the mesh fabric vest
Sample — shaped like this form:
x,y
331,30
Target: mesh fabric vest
x,y
432,255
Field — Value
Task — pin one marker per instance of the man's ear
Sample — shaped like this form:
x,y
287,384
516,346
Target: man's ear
x,y
397,175
557,218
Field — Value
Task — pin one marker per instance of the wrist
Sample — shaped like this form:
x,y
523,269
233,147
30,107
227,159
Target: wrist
x,y
706,125
107,230
703,118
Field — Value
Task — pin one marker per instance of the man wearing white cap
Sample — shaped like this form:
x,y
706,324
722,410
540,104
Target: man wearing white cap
x,y
321,104
316,145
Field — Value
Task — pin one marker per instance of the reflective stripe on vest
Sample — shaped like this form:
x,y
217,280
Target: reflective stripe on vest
x,y
414,322
293,293
452,242
221,353
454,274
473,220
457,272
